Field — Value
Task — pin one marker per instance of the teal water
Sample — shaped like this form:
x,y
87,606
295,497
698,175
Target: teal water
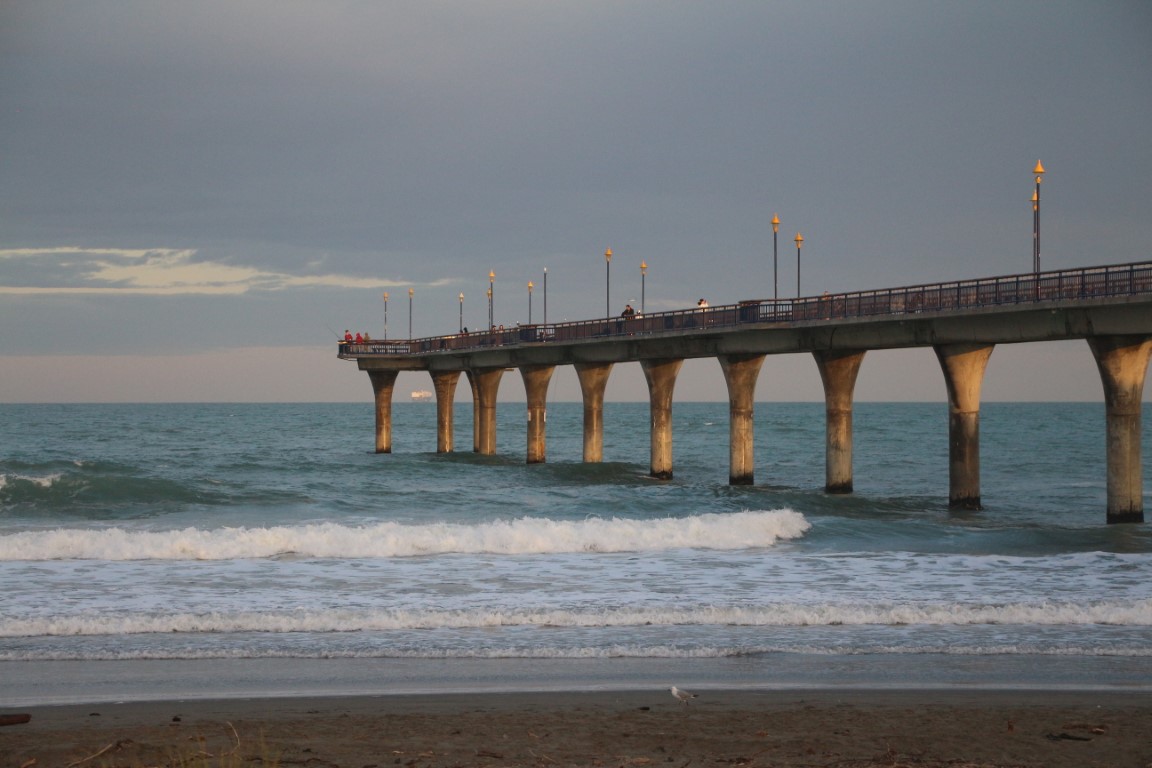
x,y
137,535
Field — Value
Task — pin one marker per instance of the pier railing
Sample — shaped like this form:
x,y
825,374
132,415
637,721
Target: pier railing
x,y
1030,288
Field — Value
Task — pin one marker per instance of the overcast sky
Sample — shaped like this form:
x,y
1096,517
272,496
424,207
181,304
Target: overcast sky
x,y
196,196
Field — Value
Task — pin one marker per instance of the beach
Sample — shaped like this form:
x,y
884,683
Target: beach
x,y
249,584
626,728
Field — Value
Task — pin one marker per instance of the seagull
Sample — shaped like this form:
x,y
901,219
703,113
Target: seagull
x,y
682,696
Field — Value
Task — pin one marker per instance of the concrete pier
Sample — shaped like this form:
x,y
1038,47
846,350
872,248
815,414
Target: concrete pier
x,y
964,366
536,378
485,384
661,377
444,383
740,373
593,379
963,321
383,382
838,371
1123,363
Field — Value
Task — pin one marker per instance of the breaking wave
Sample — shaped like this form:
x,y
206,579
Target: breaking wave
x,y
1119,613
522,536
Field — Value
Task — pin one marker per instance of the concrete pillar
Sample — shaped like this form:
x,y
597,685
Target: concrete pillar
x,y
838,371
444,382
475,412
593,379
661,376
485,384
963,366
740,372
383,383
536,378
1123,363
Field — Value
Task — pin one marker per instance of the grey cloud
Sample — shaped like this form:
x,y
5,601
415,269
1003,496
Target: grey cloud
x,y
425,143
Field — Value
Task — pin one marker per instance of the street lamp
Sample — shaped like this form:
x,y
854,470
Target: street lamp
x,y
1039,171
799,241
491,299
545,295
385,314
461,312
411,292
608,283
775,263
529,302
643,274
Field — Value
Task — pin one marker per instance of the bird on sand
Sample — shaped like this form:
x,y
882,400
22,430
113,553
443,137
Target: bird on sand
x,y
682,696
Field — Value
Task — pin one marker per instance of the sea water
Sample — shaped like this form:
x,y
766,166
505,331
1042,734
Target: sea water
x,y
267,548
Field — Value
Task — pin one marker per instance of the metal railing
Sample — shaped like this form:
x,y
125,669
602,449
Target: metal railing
x,y
1063,285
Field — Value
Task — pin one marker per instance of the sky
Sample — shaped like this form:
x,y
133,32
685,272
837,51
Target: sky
x,y
197,197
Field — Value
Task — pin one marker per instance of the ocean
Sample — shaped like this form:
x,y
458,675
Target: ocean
x,y
168,551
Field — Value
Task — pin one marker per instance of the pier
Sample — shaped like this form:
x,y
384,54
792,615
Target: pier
x,y
1109,307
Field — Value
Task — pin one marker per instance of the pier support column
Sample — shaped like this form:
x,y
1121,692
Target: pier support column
x,y
838,370
536,378
661,376
475,412
485,384
963,366
444,382
383,383
740,372
1123,363
593,379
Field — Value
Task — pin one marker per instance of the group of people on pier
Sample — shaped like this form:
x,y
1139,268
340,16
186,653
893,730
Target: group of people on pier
x,y
357,339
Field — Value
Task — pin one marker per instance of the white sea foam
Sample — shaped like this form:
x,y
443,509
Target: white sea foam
x,y
1126,613
629,651
526,535
43,482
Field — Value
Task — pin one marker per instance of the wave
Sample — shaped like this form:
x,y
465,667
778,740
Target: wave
x,y
1130,613
72,488
44,481
522,536
621,651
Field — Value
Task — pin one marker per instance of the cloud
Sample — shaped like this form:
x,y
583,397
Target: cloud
x,y
153,272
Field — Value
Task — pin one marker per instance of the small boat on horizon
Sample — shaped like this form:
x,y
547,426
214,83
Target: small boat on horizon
x,y
421,396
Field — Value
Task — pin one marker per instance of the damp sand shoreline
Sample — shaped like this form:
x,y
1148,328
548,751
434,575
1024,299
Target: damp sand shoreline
x,y
782,728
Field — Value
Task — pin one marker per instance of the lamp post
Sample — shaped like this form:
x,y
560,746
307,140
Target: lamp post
x,y
608,283
799,241
643,275
545,295
775,262
411,293
491,299
385,315
529,302
1039,171
461,312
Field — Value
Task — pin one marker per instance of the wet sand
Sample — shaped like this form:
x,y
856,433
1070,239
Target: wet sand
x,y
843,728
